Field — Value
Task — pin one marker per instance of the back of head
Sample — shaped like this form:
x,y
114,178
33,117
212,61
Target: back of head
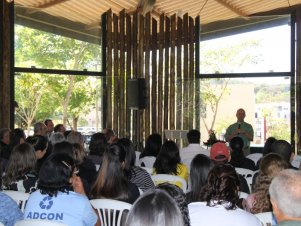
x,y
64,147
193,136
219,153
282,148
55,174
272,164
98,144
111,182
75,137
285,191
152,145
179,196
237,154
130,154
222,187
168,158
59,128
236,143
56,137
4,131
38,142
155,208
267,145
16,136
108,133
199,170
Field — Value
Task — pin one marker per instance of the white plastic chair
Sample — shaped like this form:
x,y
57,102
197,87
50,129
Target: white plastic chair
x,y
147,169
110,211
254,157
137,153
32,222
19,197
161,178
148,161
247,174
243,195
266,218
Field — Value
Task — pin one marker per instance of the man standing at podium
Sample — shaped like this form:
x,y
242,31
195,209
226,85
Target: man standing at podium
x,y
241,129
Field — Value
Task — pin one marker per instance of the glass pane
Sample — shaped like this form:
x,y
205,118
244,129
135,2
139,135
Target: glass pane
x,y
75,101
266,102
36,48
266,50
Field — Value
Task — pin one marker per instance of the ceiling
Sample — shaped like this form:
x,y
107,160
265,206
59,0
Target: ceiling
x,y
86,14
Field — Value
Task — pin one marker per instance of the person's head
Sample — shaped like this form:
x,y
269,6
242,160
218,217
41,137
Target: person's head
x,y
56,137
40,128
64,147
179,196
221,187
199,170
130,155
4,135
40,144
155,208
111,182
286,196
219,153
240,115
98,144
272,164
168,158
56,174
108,133
50,125
22,161
284,149
17,136
267,145
79,152
59,128
75,137
193,136
152,145
237,155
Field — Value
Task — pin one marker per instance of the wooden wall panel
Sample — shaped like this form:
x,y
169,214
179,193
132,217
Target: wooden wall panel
x,y
162,52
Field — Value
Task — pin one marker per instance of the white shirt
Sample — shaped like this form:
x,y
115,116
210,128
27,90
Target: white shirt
x,y
202,215
192,150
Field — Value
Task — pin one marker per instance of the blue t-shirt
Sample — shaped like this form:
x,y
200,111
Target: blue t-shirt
x,y
9,210
71,209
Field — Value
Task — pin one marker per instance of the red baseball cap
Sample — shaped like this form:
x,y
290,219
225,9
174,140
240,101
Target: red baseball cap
x,y
219,149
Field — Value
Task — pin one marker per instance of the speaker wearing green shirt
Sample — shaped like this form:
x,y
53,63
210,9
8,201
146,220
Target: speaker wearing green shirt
x,y
241,129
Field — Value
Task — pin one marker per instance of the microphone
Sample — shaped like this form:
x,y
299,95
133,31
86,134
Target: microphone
x,y
238,125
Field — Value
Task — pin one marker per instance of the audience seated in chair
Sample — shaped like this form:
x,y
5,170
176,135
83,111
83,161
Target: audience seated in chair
x,y
17,136
111,183
155,208
238,158
97,147
20,174
168,161
199,169
220,198
55,199
270,166
152,148
135,174
285,150
286,197
179,196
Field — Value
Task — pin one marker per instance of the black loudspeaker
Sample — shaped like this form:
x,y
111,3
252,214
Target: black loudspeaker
x,y
136,93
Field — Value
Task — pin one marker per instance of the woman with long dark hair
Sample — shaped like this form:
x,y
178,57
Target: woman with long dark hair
x,y
152,148
220,198
111,183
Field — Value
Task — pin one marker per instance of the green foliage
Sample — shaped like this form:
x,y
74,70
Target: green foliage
x,y
272,93
279,128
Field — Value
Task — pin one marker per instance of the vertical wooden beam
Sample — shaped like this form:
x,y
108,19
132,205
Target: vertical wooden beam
x,y
179,81
293,77
116,104
160,74
135,73
147,65
6,65
186,73
172,72
104,67
109,76
197,73
122,76
128,66
191,96
154,78
166,74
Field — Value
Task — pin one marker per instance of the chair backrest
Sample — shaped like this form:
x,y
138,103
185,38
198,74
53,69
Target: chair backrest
x,y
19,197
247,174
147,161
137,153
33,222
266,218
110,212
254,157
243,195
161,178
147,169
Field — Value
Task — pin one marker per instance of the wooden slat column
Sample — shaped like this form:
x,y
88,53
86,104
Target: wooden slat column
x,y
6,59
298,78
